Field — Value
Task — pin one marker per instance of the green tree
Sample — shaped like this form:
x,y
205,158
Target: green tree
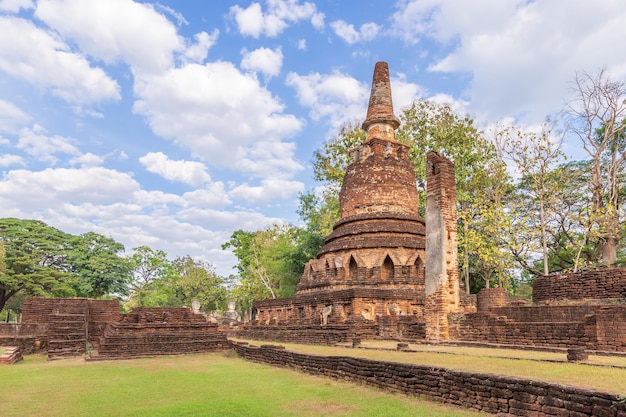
x,y
35,259
270,261
152,273
99,265
197,280
536,156
320,212
331,162
598,117
486,227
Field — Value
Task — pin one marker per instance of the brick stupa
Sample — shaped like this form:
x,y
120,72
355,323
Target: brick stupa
x,y
371,267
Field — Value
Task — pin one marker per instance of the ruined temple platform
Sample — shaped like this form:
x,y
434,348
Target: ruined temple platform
x,y
154,331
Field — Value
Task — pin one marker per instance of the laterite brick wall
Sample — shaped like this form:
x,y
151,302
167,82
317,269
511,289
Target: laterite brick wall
x,y
484,392
600,284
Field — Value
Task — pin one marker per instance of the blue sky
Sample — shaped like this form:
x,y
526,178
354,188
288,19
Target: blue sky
x,y
172,124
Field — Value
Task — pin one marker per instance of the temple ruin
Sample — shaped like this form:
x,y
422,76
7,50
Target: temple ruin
x,y
371,276
68,327
384,272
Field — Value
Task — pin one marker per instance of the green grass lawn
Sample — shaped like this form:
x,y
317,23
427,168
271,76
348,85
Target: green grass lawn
x,y
218,384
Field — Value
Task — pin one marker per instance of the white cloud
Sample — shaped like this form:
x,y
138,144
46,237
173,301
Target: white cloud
x,y
404,93
250,20
11,117
87,160
158,198
198,51
445,20
269,190
302,44
521,56
40,58
28,189
211,196
115,30
14,6
34,142
270,159
348,33
8,159
227,220
215,111
253,21
268,61
336,96
180,19
187,172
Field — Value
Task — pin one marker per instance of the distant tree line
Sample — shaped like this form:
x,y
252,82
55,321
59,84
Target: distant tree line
x,y
40,260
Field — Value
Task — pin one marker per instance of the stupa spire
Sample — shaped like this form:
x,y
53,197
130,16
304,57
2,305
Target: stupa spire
x,y
380,121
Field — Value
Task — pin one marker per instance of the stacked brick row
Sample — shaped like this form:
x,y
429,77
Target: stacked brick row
x,y
159,331
507,396
611,328
546,313
102,312
37,309
312,334
305,308
490,328
489,298
599,284
11,355
67,335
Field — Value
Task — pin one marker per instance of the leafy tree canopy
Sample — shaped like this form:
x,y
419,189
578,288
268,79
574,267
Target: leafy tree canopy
x,y
35,259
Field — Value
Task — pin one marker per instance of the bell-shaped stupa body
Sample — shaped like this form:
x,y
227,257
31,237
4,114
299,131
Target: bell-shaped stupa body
x,y
379,240
380,177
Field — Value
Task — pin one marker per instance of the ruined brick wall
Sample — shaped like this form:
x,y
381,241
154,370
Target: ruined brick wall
x,y
151,331
401,328
467,302
490,328
601,284
312,334
348,304
102,312
594,327
483,392
553,314
37,309
611,328
442,274
489,298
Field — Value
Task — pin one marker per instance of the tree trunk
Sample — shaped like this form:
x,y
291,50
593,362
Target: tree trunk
x,y
544,235
609,251
466,263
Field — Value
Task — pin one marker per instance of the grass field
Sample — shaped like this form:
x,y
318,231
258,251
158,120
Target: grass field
x,y
218,384
221,384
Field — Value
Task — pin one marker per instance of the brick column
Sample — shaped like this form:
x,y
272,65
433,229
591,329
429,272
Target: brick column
x,y
442,272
